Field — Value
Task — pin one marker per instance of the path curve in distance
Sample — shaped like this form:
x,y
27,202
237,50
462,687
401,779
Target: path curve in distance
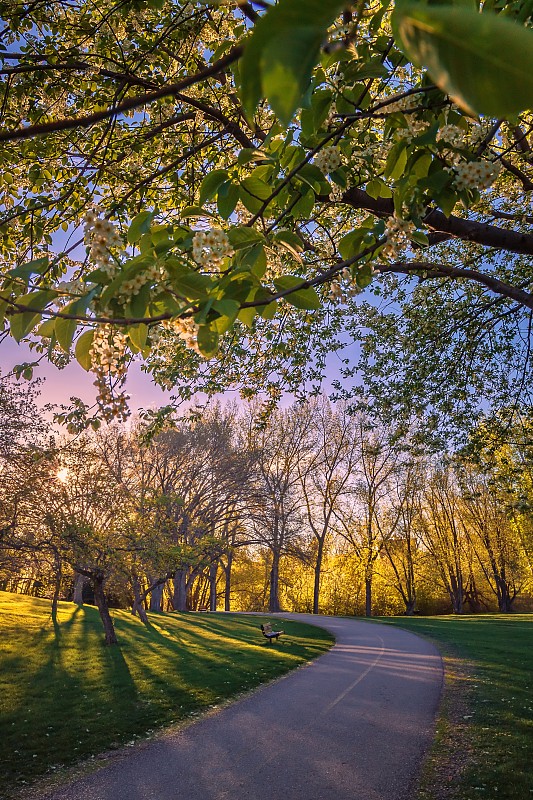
x,y
352,725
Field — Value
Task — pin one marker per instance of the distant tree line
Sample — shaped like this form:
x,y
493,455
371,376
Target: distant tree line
x,y
319,508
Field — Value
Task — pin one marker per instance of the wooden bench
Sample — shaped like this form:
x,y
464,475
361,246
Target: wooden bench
x,y
269,634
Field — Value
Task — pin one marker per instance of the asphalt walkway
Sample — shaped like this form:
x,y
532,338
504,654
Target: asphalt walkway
x,y
352,725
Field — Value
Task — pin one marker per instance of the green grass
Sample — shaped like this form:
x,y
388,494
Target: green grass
x,y
488,708
65,697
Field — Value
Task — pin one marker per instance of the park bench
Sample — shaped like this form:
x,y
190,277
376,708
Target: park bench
x,y
269,634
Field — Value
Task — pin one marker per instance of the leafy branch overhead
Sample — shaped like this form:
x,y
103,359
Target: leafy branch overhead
x,y
209,188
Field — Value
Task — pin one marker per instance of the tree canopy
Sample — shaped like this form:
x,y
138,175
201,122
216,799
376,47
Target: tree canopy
x,y
211,186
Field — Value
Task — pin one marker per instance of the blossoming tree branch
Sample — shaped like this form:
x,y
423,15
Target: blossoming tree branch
x,y
208,185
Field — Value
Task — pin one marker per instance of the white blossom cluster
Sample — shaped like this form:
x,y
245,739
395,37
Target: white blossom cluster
x,y
187,330
451,134
210,247
109,364
397,232
67,289
132,286
475,174
328,159
403,104
344,287
108,349
100,236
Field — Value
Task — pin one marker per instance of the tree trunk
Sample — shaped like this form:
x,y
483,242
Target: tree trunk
x,y
273,600
227,587
410,607
179,599
103,608
368,596
318,572
138,604
213,569
156,598
79,582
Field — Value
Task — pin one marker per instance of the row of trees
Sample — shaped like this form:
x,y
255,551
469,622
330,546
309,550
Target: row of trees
x,y
318,509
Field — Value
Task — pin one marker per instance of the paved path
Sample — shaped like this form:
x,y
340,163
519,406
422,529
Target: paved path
x,y
352,725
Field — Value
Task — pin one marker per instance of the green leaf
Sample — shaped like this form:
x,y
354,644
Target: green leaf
x,y
207,340
227,307
139,225
22,323
257,188
138,334
286,66
35,267
210,184
228,197
483,61
290,241
301,298
281,53
247,316
244,237
65,330
187,282
350,244
83,350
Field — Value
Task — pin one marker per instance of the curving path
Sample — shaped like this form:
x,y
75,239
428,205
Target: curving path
x,y
352,725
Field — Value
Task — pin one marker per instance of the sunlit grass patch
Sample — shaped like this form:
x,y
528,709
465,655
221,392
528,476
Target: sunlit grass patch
x,y
66,697
494,735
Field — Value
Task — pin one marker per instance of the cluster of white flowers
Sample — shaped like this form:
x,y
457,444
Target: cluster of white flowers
x,y
476,174
187,330
403,104
108,357
132,286
100,236
344,287
332,115
397,232
210,247
67,289
451,134
328,159
108,349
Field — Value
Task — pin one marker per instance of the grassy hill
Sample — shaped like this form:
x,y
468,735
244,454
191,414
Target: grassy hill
x,y
65,697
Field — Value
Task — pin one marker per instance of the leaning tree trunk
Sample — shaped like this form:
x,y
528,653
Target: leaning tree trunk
x,y
138,604
103,608
273,601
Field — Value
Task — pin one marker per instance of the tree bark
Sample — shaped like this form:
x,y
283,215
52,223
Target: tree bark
x,y
138,604
103,608
79,582
156,598
368,596
179,599
273,600
318,573
227,586
213,586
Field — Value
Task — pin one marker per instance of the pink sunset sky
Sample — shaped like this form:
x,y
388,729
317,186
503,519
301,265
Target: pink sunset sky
x,y
60,385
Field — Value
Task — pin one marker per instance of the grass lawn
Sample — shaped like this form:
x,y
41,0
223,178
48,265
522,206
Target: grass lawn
x,y
65,697
487,721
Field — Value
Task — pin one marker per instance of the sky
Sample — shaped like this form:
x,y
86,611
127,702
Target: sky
x,y
60,385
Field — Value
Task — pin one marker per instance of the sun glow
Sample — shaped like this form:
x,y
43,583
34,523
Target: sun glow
x,y
63,475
